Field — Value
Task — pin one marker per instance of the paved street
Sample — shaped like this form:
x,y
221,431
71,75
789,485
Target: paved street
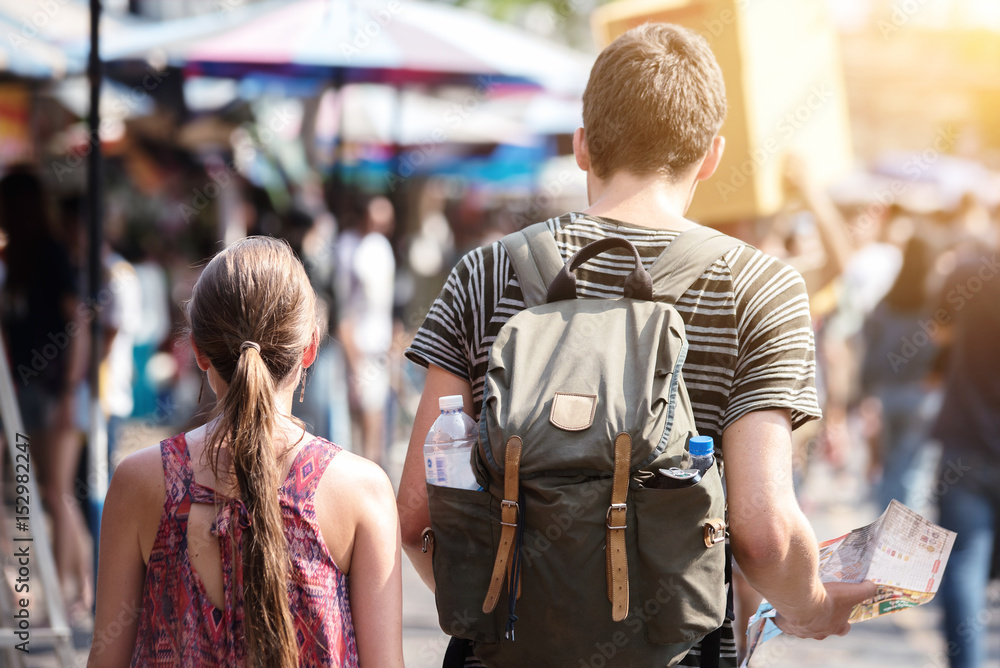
x,y
908,639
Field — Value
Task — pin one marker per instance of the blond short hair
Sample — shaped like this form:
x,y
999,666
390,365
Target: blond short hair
x,y
654,102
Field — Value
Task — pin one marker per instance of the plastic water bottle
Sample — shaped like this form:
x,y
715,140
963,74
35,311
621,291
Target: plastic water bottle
x,y
448,447
702,450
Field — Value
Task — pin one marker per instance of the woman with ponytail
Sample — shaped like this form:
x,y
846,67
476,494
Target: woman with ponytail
x,y
247,541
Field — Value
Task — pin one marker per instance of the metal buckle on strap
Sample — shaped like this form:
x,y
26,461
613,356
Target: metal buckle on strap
x,y
517,512
715,532
615,506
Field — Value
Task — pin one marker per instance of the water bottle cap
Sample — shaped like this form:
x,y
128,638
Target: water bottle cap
x,y
701,446
451,403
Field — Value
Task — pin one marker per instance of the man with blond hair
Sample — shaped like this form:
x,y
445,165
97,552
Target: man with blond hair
x,y
652,111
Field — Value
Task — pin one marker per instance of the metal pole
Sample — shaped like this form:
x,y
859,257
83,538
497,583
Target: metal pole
x,y
338,203
97,478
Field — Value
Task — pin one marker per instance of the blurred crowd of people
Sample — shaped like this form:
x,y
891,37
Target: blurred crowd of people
x,y
905,311
357,389
903,301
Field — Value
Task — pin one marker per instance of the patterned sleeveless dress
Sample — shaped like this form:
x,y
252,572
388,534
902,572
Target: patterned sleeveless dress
x,y
179,626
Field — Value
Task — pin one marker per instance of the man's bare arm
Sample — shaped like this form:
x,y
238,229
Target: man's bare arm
x,y
772,541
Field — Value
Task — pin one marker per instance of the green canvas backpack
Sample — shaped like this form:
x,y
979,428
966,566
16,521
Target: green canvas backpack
x,y
570,555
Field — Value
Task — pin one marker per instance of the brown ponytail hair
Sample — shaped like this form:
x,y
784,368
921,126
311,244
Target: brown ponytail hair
x,y
253,313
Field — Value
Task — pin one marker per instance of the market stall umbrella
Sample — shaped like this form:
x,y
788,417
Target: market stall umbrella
x,y
396,42
452,116
405,44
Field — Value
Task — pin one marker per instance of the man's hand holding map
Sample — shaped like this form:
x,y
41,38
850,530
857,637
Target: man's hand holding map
x,y
901,552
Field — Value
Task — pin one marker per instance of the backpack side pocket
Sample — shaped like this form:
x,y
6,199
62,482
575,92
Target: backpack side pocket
x,y
683,578
466,531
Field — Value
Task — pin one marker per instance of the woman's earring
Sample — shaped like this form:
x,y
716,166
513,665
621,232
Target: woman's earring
x,y
201,388
302,392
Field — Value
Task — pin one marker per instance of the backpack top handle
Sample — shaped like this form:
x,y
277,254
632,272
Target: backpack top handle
x,y
638,284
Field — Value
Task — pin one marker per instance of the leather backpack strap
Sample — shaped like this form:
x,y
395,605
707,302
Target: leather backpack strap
x,y
509,518
536,261
617,558
686,259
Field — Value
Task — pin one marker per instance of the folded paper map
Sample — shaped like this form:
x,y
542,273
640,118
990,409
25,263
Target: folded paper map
x,y
901,552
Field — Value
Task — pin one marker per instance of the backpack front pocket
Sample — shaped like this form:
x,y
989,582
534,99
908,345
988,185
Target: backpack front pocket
x,y
466,532
681,577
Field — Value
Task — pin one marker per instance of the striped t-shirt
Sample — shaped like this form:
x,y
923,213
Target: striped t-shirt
x,y
750,340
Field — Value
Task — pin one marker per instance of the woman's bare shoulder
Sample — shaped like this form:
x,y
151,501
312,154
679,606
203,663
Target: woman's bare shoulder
x,y
141,471
138,490
350,475
353,498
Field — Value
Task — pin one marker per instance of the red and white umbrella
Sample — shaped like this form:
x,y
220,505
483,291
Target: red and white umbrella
x,y
381,41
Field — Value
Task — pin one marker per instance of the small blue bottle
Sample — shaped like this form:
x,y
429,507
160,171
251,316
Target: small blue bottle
x,y
702,449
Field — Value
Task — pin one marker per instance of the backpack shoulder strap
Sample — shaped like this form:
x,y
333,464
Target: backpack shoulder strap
x,y
686,259
536,261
